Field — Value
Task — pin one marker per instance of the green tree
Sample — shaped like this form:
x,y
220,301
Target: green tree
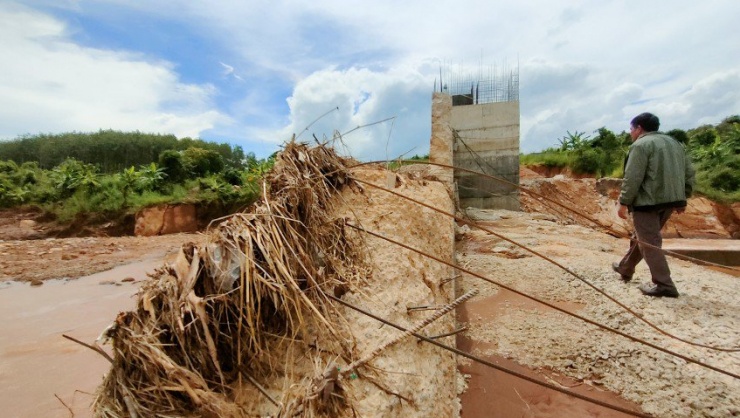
x,y
72,175
573,141
171,162
612,150
199,162
150,177
679,135
128,180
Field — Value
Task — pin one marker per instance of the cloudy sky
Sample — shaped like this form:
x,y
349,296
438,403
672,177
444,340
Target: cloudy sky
x,y
252,73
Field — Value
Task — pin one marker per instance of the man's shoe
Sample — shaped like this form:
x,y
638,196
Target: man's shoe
x,y
625,277
656,290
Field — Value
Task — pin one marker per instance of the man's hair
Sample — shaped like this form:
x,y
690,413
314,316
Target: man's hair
x,y
648,122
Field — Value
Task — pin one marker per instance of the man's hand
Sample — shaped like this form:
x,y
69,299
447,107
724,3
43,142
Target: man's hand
x,y
622,212
680,210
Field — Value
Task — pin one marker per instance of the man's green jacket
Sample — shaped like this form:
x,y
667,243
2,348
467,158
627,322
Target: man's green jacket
x,y
657,174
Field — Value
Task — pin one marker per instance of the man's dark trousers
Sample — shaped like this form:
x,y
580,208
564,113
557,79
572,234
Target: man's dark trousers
x,y
647,230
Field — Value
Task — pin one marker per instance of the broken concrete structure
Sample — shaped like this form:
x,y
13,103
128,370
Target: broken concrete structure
x,y
486,139
483,138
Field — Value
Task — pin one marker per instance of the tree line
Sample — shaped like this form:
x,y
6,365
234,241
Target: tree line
x,y
110,173
111,151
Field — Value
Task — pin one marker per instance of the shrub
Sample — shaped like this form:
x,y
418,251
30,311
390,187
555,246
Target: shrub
x,y
150,177
199,162
725,179
679,135
233,176
588,161
8,167
171,163
702,136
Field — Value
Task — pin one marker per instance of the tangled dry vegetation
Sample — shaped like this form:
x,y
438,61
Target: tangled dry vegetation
x,y
244,325
226,314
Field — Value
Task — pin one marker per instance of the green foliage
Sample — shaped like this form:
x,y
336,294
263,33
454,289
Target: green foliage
x,y
702,136
725,179
72,175
258,168
127,181
8,192
171,162
185,171
216,188
716,154
233,176
715,151
199,162
611,151
573,141
111,151
150,177
8,167
547,158
729,123
680,135
588,161
151,198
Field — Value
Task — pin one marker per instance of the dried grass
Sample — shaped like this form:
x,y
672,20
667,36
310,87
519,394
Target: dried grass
x,y
229,313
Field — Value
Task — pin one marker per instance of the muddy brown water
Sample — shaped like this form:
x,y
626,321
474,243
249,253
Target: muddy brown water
x,y
37,364
495,394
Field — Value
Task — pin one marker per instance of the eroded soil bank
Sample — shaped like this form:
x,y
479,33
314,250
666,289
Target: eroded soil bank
x,y
597,199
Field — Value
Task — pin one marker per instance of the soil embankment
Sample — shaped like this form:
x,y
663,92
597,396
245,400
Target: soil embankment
x,y
597,198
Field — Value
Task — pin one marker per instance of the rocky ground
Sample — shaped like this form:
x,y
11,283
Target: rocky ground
x,y
541,338
57,258
31,249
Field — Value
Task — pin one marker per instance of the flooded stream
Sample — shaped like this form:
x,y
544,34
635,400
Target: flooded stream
x,y
43,374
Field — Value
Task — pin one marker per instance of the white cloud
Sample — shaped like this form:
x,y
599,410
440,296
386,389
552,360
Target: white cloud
x,y
229,71
364,97
624,93
710,98
49,84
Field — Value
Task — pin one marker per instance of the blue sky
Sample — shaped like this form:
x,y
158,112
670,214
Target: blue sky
x,y
254,73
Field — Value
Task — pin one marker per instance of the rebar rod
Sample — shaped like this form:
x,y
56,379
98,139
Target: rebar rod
x,y
550,305
493,365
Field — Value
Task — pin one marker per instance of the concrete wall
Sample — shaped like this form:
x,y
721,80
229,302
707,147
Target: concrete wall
x,y
486,139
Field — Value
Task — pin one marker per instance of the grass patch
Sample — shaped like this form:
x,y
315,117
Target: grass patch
x,y
547,158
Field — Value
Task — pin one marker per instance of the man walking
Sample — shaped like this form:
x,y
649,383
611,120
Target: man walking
x,y
658,178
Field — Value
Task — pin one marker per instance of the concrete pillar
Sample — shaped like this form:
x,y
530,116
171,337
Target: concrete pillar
x,y
442,141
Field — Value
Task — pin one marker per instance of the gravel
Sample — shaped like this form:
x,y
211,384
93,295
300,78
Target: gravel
x,y
707,312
